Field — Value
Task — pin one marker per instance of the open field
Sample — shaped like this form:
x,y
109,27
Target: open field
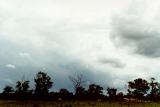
x,y
74,104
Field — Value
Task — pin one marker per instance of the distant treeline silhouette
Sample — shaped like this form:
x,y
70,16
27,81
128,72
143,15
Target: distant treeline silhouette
x,y
138,90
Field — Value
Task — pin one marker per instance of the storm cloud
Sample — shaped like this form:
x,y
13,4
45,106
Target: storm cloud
x,y
138,29
94,37
116,63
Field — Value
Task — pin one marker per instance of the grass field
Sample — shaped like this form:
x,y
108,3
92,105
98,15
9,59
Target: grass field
x,y
74,104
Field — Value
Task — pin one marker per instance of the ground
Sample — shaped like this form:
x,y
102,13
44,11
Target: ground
x,y
74,104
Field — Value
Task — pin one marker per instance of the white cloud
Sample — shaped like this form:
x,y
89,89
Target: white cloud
x,y
11,66
24,54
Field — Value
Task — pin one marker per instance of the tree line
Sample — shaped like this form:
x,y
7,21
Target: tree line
x,y
139,89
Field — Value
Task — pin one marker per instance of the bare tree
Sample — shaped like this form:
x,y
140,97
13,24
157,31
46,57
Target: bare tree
x,y
78,81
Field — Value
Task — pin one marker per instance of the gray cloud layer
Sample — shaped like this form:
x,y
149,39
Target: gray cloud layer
x,y
138,30
116,63
66,37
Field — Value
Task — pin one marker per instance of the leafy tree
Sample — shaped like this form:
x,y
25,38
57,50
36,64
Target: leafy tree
x,y
8,90
154,88
112,93
138,87
129,94
22,86
63,91
64,94
120,95
80,93
95,91
22,89
43,84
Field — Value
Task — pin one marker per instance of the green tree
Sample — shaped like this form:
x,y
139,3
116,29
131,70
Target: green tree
x,y
120,95
22,89
111,92
43,83
22,86
8,90
64,91
80,93
154,88
139,87
64,94
95,91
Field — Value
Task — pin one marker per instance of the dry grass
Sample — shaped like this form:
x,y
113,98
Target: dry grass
x,y
74,104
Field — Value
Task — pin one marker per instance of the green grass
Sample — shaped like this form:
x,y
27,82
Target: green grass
x,y
74,104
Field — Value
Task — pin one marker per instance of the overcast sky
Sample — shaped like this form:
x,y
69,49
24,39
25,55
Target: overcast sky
x,y
109,41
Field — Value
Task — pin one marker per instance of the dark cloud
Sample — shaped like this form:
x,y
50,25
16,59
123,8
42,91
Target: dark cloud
x,y
90,74
69,41
60,68
116,63
134,31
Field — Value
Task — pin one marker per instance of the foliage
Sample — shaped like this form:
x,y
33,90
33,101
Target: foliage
x,y
43,84
64,94
80,93
8,90
95,91
154,88
22,86
138,87
111,92
22,89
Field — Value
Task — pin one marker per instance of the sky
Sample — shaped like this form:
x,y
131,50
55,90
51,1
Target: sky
x,y
110,42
